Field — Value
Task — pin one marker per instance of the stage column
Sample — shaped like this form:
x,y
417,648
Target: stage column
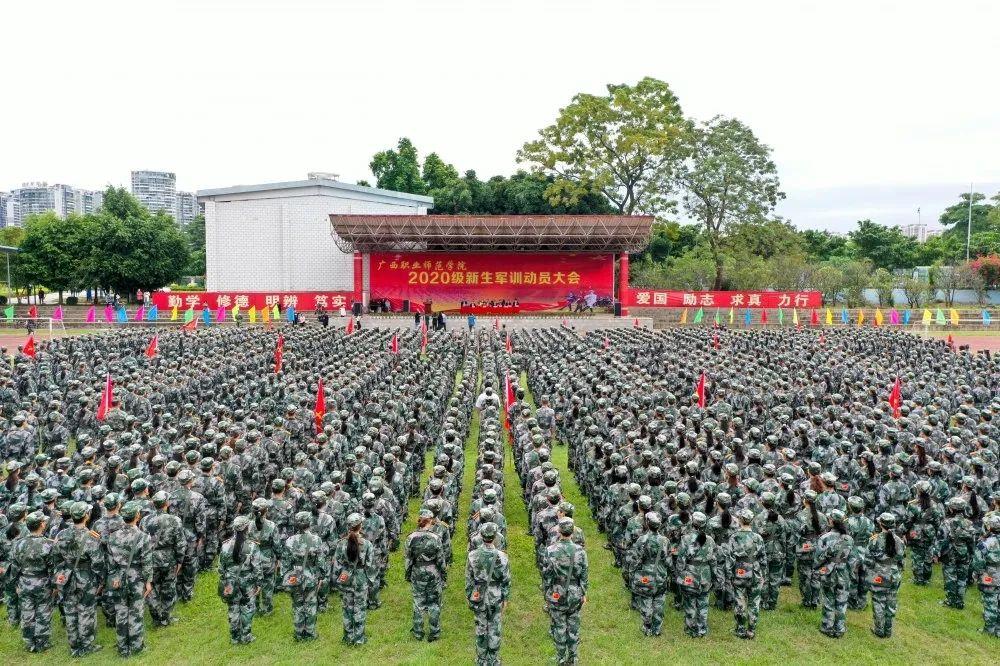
x,y
623,282
358,278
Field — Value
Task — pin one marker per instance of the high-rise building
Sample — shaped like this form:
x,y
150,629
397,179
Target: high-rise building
x,y
187,208
4,198
33,198
916,231
156,190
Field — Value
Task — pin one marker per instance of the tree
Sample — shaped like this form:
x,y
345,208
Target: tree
x,y
195,233
883,283
885,247
667,240
939,249
857,274
626,144
399,169
791,273
766,239
136,251
829,281
822,245
51,251
956,216
988,267
727,177
747,273
917,292
948,280
690,273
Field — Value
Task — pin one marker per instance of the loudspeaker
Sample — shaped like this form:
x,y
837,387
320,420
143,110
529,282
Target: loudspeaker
x,y
406,305
618,308
356,309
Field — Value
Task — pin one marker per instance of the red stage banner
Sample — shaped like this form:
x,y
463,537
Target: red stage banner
x,y
303,301
535,281
659,298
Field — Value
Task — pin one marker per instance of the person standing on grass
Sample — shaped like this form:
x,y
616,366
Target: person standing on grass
x,y
833,550
129,579
355,571
986,567
426,572
745,559
565,576
240,571
487,590
304,557
885,573
648,564
695,555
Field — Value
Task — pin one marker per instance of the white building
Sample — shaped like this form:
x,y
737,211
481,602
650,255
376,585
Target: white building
x,y
187,208
34,198
156,190
277,236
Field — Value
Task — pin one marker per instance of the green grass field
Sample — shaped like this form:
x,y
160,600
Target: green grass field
x,y
611,633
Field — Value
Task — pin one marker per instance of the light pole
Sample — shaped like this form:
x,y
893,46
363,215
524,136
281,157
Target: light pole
x,y
968,230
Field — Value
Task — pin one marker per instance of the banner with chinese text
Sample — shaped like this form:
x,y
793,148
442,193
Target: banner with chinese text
x,y
659,298
534,281
300,300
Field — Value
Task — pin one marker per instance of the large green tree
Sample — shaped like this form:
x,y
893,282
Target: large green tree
x,y
885,247
126,248
51,251
956,216
727,177
626,144
399,170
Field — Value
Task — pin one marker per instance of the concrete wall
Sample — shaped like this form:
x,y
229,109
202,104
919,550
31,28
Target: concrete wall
x,y
282,240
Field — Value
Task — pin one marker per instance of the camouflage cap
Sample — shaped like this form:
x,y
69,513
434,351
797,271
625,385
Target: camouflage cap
x,y
303,519
488,531
79,510
566,526
35,520
241,523
131,510
354,520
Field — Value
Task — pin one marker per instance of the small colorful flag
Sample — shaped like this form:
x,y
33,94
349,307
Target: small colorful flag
x,y
684,316
829,317
987,319
206,316
188,315
291,314
236,311
350,325
173,313
152,347
893,317
781,316
927,317
861,316
763,317
122,315
109,313
57,314
732,315
252,314
29,346
814,318
879,317
33,312
954,317
717,319
699,315
906,318
275,313
844,317
939,317
107,399
747,317
9,312
140,314
153,314
265,315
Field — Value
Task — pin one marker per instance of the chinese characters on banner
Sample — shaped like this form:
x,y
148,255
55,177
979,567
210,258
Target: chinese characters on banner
x,y
300,300
535,281
725,299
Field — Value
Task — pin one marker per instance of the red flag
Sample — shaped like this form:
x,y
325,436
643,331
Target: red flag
x,y
896,398
700,389
510,345
951,342
107,399
394,344
423,336
152,348
635,323
814,318
350,326
33,312
822,339
191,325
278,351
607,342
29,346
763,316
320,409
715,340
496,324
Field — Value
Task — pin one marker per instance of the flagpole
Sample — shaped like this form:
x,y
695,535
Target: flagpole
x,y
968,230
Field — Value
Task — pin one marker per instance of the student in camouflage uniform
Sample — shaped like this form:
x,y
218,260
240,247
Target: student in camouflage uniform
x,y
426,572
956,552
79,566
354,571
986,567
810,523
304,557
695,555
745,562
648,565
487,590
129,579
264,533
885,573
240,571
169,543
32,571
861,528
15,530
565,576
924,520
832,552
110,522
771,526
189,506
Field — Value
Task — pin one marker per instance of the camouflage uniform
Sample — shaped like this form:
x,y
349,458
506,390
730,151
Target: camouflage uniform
x,y
487,589
832,552
189,506
648,565
303,559
885,574
986,566
745,562
694,576
426,572
239,581
169,543
861,529
32,569
565,576
264,533
775,535
79,566
354,578
129,572
956,553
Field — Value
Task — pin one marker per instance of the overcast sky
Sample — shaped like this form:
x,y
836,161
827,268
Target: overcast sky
x,y
873,109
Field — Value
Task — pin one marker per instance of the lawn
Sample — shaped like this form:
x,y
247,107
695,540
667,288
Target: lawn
x,y
611,633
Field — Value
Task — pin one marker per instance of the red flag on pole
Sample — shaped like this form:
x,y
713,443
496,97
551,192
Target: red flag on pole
x,y
496,324
700,389
715,340
896,398
152,348
107,399
350,326
951,342
509,399
278,351
394,344
191,325
33,312
763,316
510,345
822,339
423,336
814,318
29,346
320,409
607,342
635,323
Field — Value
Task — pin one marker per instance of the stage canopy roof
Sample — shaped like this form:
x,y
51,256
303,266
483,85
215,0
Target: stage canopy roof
x,y
491,233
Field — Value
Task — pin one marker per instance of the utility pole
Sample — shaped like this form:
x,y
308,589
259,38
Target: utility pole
x,y
968,230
